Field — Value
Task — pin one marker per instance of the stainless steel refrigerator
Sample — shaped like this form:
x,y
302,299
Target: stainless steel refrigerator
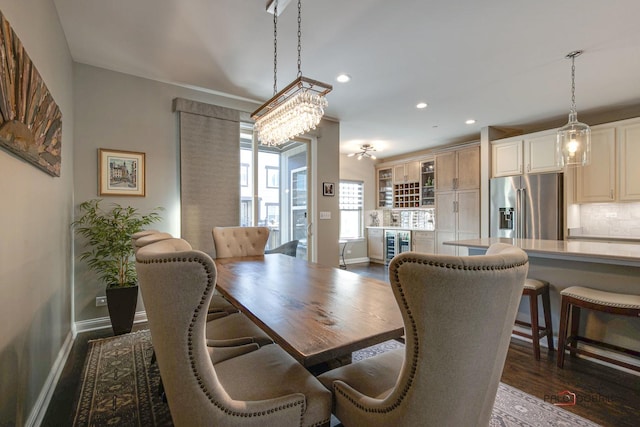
x,y
527,206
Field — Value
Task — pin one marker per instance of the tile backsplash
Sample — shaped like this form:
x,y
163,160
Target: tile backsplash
x,y
617,220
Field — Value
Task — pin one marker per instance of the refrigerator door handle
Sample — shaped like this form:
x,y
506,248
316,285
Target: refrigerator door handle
x,y
517,216
523,213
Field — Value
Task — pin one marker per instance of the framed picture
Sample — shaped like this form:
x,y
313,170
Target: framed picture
x,y
328,189
121,173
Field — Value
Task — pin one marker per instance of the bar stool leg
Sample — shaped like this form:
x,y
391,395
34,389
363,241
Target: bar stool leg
x,y
546,307
575,326
562,333
535,327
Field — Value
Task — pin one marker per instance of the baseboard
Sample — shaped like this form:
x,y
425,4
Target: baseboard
x,y
356,260
44,398
596,350
105,322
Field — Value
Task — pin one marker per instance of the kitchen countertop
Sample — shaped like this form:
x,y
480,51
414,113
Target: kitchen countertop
x,y
576,250
395,227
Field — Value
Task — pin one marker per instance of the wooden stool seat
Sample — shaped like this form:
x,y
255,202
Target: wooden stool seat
x,y
576,297
532,289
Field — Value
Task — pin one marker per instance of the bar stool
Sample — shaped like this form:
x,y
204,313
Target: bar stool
x,y
532,289
576,297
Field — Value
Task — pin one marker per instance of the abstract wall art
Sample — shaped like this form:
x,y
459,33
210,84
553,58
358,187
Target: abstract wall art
x,y
30,120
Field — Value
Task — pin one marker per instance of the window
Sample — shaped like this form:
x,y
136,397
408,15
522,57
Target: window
x,y
273,177
351,209
244,175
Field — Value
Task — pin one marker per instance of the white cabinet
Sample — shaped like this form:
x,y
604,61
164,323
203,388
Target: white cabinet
x,y
375,244
457,218
597,181
629,155
385,187
458,169
423,242
534,153
540,154
406,172
506,159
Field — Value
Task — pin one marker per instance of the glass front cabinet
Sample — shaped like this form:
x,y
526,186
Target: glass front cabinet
x,y
385,187
427,183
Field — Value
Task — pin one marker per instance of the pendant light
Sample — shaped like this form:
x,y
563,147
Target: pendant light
x,y
297,108
573,144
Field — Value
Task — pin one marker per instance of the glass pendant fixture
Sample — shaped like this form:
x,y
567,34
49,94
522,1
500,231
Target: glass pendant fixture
x,y
573,144
297,108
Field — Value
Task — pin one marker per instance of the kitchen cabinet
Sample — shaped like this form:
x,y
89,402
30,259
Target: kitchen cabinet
x,y
375,244
629,155
385,187
534,153
423,242
458,169
457,218
406,172
427,183
597,181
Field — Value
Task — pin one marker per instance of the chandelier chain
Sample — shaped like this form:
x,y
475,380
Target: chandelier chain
x,y
299,38
275,48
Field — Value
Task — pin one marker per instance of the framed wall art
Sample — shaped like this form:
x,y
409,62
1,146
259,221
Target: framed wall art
x,y
121,173
30,120
328,189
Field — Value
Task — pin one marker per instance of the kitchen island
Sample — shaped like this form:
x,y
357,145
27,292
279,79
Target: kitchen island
x,y
608,266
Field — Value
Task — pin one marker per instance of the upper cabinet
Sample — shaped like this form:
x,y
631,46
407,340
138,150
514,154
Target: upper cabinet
x,y
597,181
535,153
629,148
613,175
428,183
385,187
458,169
406,172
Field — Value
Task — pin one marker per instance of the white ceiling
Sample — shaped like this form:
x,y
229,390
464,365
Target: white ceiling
x,y
500,62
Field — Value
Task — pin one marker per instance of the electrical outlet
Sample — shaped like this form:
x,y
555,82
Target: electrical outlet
x,y
100,301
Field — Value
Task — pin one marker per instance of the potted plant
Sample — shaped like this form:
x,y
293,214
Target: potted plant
x,y
110,253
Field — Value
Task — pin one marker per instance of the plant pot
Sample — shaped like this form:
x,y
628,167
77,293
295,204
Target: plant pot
x,y
121,302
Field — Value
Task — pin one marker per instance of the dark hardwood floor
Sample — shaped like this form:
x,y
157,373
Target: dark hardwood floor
x,y
606,396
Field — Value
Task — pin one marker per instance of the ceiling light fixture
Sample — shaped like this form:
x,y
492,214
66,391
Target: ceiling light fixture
x,y
343,78
470,121
297,108
422,105
364,152
573,143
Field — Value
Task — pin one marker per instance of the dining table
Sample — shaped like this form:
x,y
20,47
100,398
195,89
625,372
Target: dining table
x,y
317,313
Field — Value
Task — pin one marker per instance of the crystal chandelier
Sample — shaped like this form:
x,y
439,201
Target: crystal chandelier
x,y
573,143
297,108
364,152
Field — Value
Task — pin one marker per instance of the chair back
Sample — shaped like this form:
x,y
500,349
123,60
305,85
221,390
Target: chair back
x,y
289,248
149,238
458,314
239,241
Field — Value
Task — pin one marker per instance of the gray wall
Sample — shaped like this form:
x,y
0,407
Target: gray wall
x,y
35,241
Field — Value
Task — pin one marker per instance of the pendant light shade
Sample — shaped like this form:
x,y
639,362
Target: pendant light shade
x,y
573,144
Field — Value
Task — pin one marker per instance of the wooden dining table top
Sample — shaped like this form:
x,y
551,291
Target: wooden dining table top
x,y
315,312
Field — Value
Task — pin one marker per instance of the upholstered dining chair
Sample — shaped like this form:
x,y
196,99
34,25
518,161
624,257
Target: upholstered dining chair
x,y
288,248
218,303
261,387
458,315
239,241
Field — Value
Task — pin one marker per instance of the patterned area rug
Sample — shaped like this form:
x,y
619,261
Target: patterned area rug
x,y
120,388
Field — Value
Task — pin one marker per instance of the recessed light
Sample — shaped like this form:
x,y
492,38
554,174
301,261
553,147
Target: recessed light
x,y
470,121
343,78
421,105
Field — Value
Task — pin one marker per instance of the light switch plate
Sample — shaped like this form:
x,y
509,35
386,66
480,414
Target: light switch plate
x,y
325,215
